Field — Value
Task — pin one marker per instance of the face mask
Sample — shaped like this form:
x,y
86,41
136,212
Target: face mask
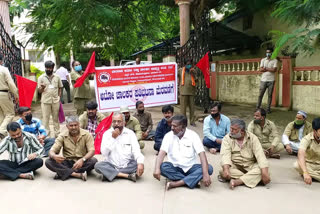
x,y
188,66
257,121
268,54
236,136
215,115
299,122
297,126
18,139
49,72
28,117
140,111
78,68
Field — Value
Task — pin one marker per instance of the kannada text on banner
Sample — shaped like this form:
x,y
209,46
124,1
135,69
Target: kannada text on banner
x,y
154,84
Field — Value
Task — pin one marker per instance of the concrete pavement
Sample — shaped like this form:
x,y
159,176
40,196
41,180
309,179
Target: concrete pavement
x,y
286,194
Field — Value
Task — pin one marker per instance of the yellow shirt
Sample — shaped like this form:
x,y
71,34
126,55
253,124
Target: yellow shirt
x,y
84,90
6,81
74,150
269,133
250,153
134,125
51,91
293,134
312,149
187,88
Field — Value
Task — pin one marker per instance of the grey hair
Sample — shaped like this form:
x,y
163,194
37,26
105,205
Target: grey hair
x,y
239,122
72,119
119,113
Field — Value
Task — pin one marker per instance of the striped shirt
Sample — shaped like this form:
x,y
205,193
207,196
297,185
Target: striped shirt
x,y
35,127
30,145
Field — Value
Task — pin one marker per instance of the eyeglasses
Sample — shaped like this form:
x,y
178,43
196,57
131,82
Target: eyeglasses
x,y
116,121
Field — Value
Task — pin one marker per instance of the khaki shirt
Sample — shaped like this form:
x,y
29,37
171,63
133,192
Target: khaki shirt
x,y
250,153
84,90
51,91
83,119
293,134
6,81
145,121
312,149
134,125
267,134
266,63
74,150
187,88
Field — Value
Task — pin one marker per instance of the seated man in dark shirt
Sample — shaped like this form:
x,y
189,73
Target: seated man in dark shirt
x,y
163,127
145,120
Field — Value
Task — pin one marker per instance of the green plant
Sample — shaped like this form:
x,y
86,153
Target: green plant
x,y
36,71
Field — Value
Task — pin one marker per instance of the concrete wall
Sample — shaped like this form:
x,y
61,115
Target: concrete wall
x,y
239,88
307,98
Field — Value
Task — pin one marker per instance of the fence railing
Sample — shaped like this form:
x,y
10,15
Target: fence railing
x,y
308,73
239,65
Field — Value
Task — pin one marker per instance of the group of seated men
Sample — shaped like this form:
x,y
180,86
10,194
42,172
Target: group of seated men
x,y
244,152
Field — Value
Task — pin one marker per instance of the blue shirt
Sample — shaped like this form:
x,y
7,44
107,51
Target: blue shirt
x,y
213,131
35,127
162,129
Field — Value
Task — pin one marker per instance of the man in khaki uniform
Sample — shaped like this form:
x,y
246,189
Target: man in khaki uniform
x,y
91,118
6,104
267,133
242,157
81,94
268,67
295,131
133,124
308,163
50,87
187,86
77,152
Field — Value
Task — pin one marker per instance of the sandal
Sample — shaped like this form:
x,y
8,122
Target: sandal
x,y
221,179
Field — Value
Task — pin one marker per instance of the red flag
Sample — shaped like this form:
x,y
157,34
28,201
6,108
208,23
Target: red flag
x,y
26,90
101,129
89,70
203,65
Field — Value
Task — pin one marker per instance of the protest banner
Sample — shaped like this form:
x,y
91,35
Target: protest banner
x,y
154,84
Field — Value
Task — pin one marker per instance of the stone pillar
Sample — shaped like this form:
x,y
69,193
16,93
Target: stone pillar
x,y
149,56
112,61
4,13
184,13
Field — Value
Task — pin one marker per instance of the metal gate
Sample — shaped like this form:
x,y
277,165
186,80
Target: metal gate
x,y
196,47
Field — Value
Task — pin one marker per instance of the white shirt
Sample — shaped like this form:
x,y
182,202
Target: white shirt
x,y
268,63
62,73
182,152
122,150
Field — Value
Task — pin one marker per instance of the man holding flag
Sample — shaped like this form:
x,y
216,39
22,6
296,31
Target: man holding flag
x,y
6,105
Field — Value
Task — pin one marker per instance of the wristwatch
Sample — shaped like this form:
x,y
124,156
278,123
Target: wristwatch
x,y
84,160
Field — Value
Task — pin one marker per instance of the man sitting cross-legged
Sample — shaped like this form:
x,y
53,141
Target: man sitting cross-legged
x,y
242,157
308,164
182,146
121,151
33,125
77,149
267,133
24,152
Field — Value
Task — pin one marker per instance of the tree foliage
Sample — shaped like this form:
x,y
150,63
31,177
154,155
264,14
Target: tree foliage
x,y
302,13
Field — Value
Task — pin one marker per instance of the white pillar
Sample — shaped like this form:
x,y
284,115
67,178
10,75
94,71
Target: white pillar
x,y
112,63
149,56
5,17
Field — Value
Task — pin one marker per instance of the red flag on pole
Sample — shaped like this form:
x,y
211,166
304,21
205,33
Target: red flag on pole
x,y
89,70
101,129
26,90
203,65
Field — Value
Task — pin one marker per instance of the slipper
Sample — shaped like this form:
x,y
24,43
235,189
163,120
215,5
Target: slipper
x,y
221,179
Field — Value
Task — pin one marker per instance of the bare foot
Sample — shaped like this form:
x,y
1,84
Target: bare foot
x,y
213,151
169,186
28,176
232,184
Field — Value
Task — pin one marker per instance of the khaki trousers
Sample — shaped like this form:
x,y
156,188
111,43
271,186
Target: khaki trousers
x,y
313,170
6,112
80,105
277,149
51,109
187,101
250,176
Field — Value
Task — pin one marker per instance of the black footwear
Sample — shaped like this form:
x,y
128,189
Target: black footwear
x,y
56,177
133,177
